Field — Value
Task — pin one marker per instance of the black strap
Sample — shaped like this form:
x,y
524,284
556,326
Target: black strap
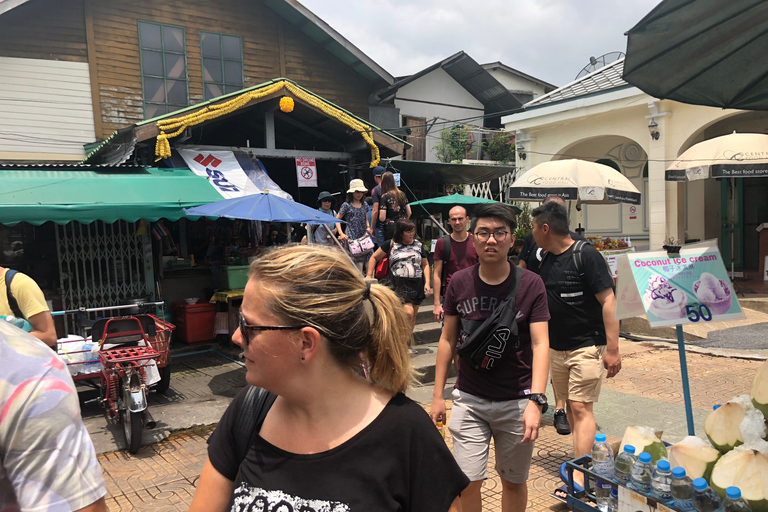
x,y
513,292
253,410
11,299
578,245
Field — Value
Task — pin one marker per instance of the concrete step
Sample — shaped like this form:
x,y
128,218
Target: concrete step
x,y
425,313
427,333
424,363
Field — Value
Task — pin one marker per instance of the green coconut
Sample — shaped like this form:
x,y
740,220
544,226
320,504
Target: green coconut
x,y
746,469
644,439
695,455
759,391
722,426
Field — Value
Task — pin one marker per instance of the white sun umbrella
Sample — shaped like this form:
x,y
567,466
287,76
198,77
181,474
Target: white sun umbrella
x,y
738,155
574,180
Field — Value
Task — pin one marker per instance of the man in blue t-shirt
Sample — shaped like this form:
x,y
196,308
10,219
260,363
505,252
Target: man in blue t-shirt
x,y
378,227
584,341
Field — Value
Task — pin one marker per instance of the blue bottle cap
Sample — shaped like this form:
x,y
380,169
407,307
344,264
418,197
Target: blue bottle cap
x,y
678,472
600,438
716,407
629,449
645,457
733,492
663,465
699,484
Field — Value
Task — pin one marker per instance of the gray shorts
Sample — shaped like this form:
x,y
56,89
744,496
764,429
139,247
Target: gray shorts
x,y
474,420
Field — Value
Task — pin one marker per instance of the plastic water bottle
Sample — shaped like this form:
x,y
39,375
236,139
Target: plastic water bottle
x,y
682,490
622,470
613,503
642,472
661,482
704,498
734,502
602,464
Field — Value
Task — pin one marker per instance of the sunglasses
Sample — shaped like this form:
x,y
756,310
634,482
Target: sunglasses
x,y
244,328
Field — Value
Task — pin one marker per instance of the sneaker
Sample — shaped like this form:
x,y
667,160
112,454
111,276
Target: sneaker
x,y
561,422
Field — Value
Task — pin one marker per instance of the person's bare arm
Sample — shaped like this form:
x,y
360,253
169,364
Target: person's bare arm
x,y
445,348
540,371
43,328
407,211
213,491
375,214
97,506
612,358
427,276
522,264
376,257
436,286
456,505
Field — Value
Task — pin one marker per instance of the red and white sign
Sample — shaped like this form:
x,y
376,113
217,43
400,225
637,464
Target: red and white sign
x,y
632,212
306,172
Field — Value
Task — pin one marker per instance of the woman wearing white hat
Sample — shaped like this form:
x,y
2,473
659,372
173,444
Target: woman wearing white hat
x,y
355,213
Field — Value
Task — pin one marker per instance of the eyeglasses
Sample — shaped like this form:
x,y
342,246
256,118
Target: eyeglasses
x,y
244,328
484,236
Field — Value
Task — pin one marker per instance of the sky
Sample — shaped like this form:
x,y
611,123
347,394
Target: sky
x,y
549,39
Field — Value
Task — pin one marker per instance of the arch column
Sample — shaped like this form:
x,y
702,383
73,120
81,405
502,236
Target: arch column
x,y
665,199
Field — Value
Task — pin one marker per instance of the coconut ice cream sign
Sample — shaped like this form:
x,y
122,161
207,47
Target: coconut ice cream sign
x,y
676,289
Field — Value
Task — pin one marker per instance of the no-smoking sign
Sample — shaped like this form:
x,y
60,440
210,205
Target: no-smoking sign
x,y
306,172
632,212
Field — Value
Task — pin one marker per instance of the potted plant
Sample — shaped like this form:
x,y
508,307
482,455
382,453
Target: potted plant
x,y
672,245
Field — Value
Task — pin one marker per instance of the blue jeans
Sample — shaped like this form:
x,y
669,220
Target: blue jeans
x,y
379,231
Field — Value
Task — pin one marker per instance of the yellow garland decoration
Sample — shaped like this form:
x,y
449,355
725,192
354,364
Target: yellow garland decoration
x,y
286,104
177,125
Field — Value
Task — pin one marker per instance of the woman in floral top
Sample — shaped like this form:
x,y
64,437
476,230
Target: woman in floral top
x,y
355,213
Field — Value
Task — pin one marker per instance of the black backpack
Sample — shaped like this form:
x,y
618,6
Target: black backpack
x,y
578,245
253,410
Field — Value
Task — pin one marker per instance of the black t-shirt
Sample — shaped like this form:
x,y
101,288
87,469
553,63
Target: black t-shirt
x,y
397,463
577,316
532,254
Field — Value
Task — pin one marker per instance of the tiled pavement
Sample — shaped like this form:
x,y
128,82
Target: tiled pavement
x,y
163,476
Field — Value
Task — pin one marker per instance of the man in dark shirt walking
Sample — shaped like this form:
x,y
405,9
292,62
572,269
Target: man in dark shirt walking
x,y
584,339
507,401
462,255
531,256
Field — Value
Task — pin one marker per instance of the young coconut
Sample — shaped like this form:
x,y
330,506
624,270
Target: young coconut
x,y
644,439
759,391
747,469
722,426
695,455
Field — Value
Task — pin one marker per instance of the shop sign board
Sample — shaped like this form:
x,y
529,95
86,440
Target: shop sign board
x,y
306,172
612,257
686,288
222,170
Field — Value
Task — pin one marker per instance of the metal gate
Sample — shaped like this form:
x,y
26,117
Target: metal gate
x,y
102,265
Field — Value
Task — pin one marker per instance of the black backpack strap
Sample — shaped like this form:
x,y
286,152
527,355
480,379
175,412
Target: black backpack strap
x,y
9,295
516,286
253,410
578,245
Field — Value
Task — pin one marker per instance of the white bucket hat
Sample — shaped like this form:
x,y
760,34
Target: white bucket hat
x,y
356,186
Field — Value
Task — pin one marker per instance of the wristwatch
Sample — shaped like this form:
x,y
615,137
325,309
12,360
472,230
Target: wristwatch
x,y
539,399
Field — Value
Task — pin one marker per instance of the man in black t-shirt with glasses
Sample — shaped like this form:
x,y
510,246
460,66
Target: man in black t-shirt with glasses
x,y
584,337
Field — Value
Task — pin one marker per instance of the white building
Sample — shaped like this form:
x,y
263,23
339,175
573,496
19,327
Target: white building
x,y
600,117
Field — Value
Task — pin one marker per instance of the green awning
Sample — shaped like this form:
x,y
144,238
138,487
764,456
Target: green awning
x,y
130,194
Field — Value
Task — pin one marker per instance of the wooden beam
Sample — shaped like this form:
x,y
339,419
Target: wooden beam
x,y
298,124
93,70
279,153
269,128
281,48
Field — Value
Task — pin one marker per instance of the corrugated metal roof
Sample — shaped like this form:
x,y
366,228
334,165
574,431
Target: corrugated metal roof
x,y
604,79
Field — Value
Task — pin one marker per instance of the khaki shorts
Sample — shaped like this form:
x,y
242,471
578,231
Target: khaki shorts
x,y
577,374
474,421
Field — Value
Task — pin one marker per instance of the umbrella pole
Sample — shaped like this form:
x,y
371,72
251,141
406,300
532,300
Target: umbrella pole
x,y
733,225
684,377
439,224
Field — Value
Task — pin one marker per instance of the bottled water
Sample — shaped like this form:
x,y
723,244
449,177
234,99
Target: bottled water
x,y
661,482
682,490
622,470
602,464
734,502
642,473
704,498
613,503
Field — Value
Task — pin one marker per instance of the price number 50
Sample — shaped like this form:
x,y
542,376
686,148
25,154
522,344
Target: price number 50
x,y
696,312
